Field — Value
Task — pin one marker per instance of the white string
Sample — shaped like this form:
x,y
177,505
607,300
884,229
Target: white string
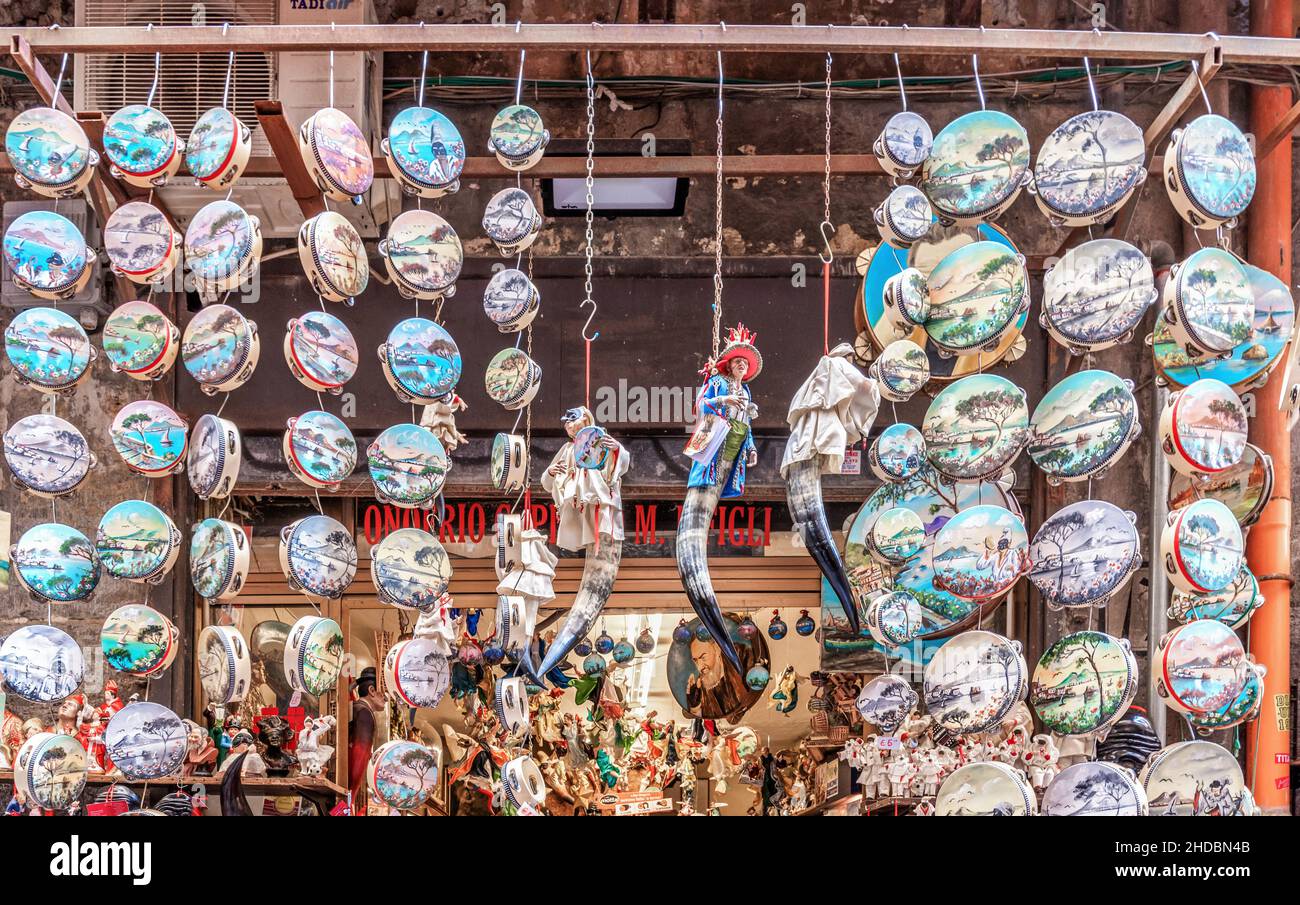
x,y
901,90
157,73
1092,88
58,85
1196,71
979,86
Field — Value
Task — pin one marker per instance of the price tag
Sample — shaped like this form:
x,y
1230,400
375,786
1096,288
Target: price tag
x,y
889,743
852,462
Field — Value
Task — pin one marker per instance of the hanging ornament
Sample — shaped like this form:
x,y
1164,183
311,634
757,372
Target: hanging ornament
x,y
1096,294
49,150
47,455
1083,425
748,630
408,466
517,136
583,647
512,379
215,454
1208,304
424,149
41,663
139,640
604,643
511,221
336,152
218,148
137,541
223,247
757,678
897,454
319,449
225,668
220,554
510,300
410,569
682,632
333,257
905,302
140,341
805,625
56,563
318,556
978,293
904,217
905,141
1209,169
645,642
141,243
421,361
141,143
423,255
593,665
623,652
321,352
776,627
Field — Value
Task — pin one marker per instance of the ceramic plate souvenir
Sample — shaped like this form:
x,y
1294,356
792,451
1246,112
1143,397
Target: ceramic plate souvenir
x,y
981,552
895,618
140,341
1083,425
903,144
320,449
137,541
1210,172
976,295
511,221
897,453
417,672
50,770
1203,428
50,153
1244,488
139,640
408,465
420,361
220,349
1202,547
512,379
511,300
904,216
509,462
219,558
895,535
886,702
313,654
973,681
318,556
402,775
1083,683
1233,605
321,352
48,349
517,137
410,569
47,255
225,668
1200,667
1084,554
47,455
523,783
1089,166
41,663
1244,708
145,740
906,302
215,455
218,148
977,166
1095,296
511,703
976,427
1209,306
425,152
1094,789
141,244
150,438
989,789
337,154
901,370
333,256
1195,779
423,255
223,245
56,563
142,146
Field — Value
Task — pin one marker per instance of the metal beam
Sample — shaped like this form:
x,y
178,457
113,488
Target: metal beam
x,y
1280,132
284,143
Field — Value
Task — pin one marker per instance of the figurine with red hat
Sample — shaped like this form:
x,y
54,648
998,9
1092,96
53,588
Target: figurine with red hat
x,y
723,444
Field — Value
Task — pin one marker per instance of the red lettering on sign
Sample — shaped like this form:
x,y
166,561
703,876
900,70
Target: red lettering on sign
x,y
645,524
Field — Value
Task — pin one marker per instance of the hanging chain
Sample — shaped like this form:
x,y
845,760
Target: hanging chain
x,y
717,227
827,228
591,182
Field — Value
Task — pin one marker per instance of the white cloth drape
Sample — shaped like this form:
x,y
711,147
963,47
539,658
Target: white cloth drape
x,y
588,501
835,407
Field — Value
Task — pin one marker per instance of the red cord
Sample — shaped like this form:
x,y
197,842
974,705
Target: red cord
x,y
588,373
826,308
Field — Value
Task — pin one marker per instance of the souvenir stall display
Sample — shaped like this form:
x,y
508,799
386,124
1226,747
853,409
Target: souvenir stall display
x,y
140,341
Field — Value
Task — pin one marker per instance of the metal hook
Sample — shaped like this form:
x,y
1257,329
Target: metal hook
x,y
827,230
979,86
595,336
901,90
1196,71
1092,88
157,74
230,69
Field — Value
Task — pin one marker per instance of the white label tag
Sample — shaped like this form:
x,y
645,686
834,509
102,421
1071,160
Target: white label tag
x,y
296,700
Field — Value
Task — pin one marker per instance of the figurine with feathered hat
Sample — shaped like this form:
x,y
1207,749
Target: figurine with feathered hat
x,y
723,443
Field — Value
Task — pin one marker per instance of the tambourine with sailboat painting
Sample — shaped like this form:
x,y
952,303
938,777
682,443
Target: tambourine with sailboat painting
x,y
421,361
333,257
319,449
212,464
1088,167
141,244
142,146
337,155
1084,554
218,148
321,352
425,152
1083,425
1084,682
981,552
50,153
150,438
1210,172
1203,428
973,681
900,371
1201,666
1245,488
318,557
1096,295
1232,605
137,541
49,350
408,465
139,640
965,445
220,349
47,256
140,341
55,563
1201,547
977,167
47,455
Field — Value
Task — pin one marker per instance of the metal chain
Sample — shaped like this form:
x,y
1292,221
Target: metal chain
x,y
826,183
717,227
591,182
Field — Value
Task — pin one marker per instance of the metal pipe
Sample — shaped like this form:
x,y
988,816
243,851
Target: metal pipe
x,y
1157,582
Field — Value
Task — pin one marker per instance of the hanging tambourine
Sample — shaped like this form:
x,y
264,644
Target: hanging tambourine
x,y
1288,398
50,770
220,554
1245,488
1210,172
1244,708
977,167
225,667
50,153
511,221
1196,779
41,663
49,350
905,302
55,563
313,655
1096,294
511,300
1083,683
140,341
47,455
903,144
1088,167
220,349
980,553
589,450
977,294
960,442
897,454
137,541
142,146
141,243
223,246
1201,547
523,783
146,740
408,465
321,352
402,774
218,148
1201,666
337,155
150,438
212,463
895,618
1094,789
410,569
517,137
417,672
510,702
421,361
1084,554
139,640
886,702
333,257
1082,426
47,256
1209,306
425,152
904,217
318,556
894,536
1232,605
319,449
900,371
1203,428
423,255
509,462
986,789
976,680
512,379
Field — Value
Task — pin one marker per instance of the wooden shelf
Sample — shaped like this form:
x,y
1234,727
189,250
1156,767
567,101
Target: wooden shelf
x,y
255,785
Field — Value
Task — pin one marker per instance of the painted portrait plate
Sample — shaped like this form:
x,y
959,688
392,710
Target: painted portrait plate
x,y
1094,789
1088,167
47,455
318,556
150,437
1083,683
427,151
989,789
1084,554
41,663
408,465
146,740
980,552
1096,295
1083,425
421,360
976,427
973,681
56,563
410,569
977,166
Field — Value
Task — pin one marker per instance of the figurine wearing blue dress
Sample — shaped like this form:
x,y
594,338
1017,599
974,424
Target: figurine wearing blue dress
x,y
725,395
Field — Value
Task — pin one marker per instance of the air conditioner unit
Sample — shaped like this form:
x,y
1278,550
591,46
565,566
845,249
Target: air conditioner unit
x,y
88,304
190,84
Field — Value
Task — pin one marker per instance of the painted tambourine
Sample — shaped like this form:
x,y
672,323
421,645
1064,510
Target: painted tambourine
x,y
1288,399
1095,296
960,443
50,153
220,349
49,350
512,634
47,455
1084,682
150,437
402,774
425,152
906,303
977,294
589,447
509,536
417,672
423,255
523,783
1090,165
1094,789
337,155
903,144
904,216
139,640
140,341
41,663
421,361
895,618
218,148
142,146
313,655
986,789
517,137
47,256
225,667
1244,708
219,558
321,352
510,701
512,379
1196,779
964,182
980,552
1210,172
1233,605
223,246
212,464
973,681
1203,428
511,221
410,569
333,257
1201,547
56,563
1083,425
1201,666
895,536
1209,306
146,740
137,541
511,300
141,244
408,465
900,371
897,454
318,556
1245,488
886,702
1084,554
320,449
50,770
509,462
